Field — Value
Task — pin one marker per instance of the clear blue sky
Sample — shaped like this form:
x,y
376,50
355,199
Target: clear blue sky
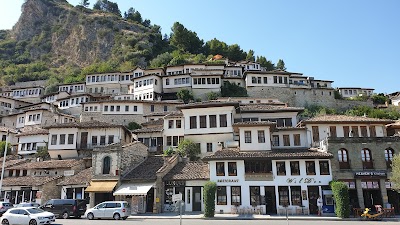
x,y
354,43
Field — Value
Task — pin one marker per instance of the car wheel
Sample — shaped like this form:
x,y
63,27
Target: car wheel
x,y
117,216
32,222
65,215
90,216
5,222
124,218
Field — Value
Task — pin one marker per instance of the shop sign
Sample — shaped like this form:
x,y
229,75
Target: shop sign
x,y
228,180
175,183
306,180
370,174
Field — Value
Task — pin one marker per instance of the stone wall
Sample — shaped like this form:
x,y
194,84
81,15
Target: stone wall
x,y
299,97
114,119
132,155
169,164
50,190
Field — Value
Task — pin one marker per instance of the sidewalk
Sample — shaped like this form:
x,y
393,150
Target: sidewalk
x,y
245,217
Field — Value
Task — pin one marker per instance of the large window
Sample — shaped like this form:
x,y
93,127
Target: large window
x,y
343,159
255,195
221,195
258,167
389,157
213,121
220,169
106,165
283,192
236,195
281,168
102,140
247,136
62,139
110,139
261,136
232,169
310,167
286,140
366,159
203,121
209,147
296,195
193,122
223,121
294,168
54,139
275,140
94,140
324,167
296,139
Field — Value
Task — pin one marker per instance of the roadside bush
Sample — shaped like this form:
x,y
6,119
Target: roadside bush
x,y
209,198
342,201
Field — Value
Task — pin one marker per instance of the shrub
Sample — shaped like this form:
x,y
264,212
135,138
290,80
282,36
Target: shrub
x,y
2,147
342,201
212,95
133,126
209,198
185,95
169,151
189,148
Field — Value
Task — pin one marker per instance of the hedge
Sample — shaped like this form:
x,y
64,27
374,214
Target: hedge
x,y
342,201
210,189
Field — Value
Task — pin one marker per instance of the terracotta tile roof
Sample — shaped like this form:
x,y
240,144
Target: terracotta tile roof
x,y
197,170
394,125
153,122
12,162
207,104
28,181
156,114
265,107
254,123
86,124
5,129
50,164
148,130
274,154
82,177
146,170
174,114
33,131
345,119
290,128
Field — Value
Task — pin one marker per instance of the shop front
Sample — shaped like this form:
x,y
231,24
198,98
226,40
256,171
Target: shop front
x,y
393,197
101,191
371,186
140,196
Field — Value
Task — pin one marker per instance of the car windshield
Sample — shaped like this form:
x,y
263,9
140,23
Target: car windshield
x,y
35,211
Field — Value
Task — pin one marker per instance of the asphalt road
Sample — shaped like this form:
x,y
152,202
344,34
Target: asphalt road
x,y
215,222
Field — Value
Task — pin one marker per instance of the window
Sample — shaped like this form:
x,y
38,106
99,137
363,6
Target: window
x,y
346,131
175,141
315,133
281,168
167,81
102,140
112,108
232,169
296,195
220,169
203,122
110,139
222,121
324,167
193,122
94,140
169,141
127,108
366,159
62,139
310,167
364,132
343,159
275,140
286,140
170,124
165,108
261,136
295,168
221,195
265,80
255,195
106,165
296,139
372,131
388,155
236,195
178,124
332,131
53,139
247,137
209,147
213,121
135,108
256,166
354,131
283,195
152,108
70,139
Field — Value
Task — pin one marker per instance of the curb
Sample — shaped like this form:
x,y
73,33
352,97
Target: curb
x,y
257,218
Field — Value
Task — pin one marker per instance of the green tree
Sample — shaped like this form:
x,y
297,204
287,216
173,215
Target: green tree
x,y
212,95
267,64
2,146
185,40
229,89
215,47
133,15
337,94
42,152
133,126
210,189
281,65
187,148
185,95
169,151
379,98
250,56
85,3
161,60
395,178
342,201
235,53
107,6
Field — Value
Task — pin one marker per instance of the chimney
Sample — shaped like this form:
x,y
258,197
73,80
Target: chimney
x,y
219,146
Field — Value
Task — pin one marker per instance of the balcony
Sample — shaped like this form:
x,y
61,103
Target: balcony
x,y
368,165
259,177
344,165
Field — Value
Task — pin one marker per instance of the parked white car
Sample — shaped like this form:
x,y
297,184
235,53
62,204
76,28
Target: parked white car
x,y
27,215
113,210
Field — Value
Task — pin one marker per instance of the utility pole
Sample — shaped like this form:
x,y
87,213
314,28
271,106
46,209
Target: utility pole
x,y
4,163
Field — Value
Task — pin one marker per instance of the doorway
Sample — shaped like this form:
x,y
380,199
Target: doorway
x,y
196,199
270,200
84,137
372,198
313,194
102,197
150,200
394,199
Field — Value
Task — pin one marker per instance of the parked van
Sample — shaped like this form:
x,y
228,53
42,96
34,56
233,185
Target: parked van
x,y
113,210
64,208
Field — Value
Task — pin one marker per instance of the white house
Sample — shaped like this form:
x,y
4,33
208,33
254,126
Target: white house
x,y
30,140
147,87
28,94
73,88
349,92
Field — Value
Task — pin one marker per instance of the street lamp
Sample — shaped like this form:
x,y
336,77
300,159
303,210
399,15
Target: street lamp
x,y
4,163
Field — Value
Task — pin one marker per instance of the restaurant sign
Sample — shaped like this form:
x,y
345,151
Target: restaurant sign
x,y
370,174
228,180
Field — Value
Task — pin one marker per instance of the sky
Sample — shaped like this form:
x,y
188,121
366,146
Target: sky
x,y
353,43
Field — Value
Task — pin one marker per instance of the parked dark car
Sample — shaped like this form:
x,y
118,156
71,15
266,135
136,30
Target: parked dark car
x,y
64,208
4,206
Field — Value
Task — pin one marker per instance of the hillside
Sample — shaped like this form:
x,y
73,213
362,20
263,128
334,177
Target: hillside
x,y
59,42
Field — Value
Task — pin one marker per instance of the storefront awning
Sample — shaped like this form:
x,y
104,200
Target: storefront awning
x,y
133,189
101,186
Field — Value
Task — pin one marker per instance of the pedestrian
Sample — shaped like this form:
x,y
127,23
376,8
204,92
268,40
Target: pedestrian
x,y
319,204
